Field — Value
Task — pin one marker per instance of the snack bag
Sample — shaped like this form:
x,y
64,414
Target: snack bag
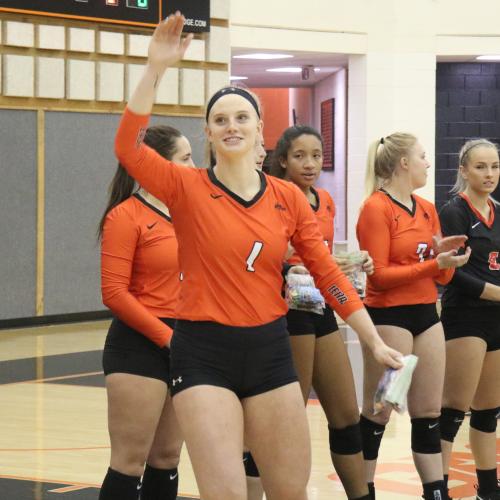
x,y
302,294
357,276
393,386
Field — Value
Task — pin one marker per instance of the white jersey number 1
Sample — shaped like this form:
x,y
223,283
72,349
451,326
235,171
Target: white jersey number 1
x,y
256,249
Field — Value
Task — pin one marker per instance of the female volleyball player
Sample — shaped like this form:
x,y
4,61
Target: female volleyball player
x,y
397,228
140,284
471,314
232,374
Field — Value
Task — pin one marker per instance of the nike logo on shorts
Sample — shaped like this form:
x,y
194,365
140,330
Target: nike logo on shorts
x,y
458,420
377,433
476,224
173,476
431,426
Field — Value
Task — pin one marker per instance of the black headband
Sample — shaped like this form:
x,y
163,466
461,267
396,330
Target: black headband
x,y
232,90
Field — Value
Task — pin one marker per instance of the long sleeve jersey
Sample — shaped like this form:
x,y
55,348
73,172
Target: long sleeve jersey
x,y
324,211
140,275
400,242
231,250
459,216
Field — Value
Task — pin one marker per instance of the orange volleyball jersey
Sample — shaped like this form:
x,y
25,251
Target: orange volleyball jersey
x,y
140,275
400,242
231,250
324,210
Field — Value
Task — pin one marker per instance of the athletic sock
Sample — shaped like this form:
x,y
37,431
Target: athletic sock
x,y
487,480
435,491
371,490
159,484
117,485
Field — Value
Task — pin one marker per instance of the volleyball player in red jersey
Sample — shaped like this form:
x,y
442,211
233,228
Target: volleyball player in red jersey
x,y
319,353
471,314
398,229
232,375
140,284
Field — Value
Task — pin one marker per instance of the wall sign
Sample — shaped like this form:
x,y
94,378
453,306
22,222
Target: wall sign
x,y
129,12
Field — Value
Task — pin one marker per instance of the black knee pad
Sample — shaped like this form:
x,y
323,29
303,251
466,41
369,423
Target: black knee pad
x,y
371,435
449,423
346,441
250,465
484,420
425,435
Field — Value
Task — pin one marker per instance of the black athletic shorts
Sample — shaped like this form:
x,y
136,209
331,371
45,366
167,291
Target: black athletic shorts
x,y
245,360
481,322
416,318
128,351
304,322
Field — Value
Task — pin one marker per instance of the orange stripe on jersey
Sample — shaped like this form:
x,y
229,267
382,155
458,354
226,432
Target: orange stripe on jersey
x,y
139,267
488,223
231,250
400,243
324,210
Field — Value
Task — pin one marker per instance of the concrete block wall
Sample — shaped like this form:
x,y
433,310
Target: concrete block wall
x,y
467,107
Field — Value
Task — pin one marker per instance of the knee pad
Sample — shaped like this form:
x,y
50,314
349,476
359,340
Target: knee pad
x,y
250,465
484,420
425,435
346,441
371,436
449,423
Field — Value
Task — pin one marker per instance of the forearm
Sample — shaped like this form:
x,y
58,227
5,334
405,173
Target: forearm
x,y
393,276
144,96
490,292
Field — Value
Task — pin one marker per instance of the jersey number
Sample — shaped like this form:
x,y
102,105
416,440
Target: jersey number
x,y
421,249
492,261
255,252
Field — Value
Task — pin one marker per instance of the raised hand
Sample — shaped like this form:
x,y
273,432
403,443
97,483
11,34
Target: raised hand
x,y
167,47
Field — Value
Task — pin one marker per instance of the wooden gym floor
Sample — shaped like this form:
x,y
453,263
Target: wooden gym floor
x,y
53,433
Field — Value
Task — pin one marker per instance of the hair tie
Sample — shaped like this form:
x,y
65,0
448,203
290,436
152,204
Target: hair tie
x,y
381,140
232,90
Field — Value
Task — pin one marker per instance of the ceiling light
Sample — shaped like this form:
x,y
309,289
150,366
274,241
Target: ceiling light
x,y
263,56
238,77
492,57
290,69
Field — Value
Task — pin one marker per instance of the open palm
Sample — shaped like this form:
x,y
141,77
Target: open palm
x,y
167,47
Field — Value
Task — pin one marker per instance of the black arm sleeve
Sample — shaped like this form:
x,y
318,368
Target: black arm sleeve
x,y
454,220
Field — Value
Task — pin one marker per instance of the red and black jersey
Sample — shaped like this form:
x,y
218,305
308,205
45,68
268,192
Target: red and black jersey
x,y
459,216
400,242
140,275
231,250
324,210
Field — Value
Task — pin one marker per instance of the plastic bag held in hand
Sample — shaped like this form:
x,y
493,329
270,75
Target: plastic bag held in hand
x,y
356,276
394,385
302,294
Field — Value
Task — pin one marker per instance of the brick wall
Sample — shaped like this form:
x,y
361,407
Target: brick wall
x,y
467,106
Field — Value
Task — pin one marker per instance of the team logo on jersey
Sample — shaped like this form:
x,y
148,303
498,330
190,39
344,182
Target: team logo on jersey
x,y
494,265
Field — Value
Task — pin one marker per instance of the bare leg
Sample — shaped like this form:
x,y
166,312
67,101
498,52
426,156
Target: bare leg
x,y
303,359
215,446
276,431
334,384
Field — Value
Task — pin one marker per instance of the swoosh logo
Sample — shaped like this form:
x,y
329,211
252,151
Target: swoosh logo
x,y
433,425
215,196
173,476
151,226
377,433
476,224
